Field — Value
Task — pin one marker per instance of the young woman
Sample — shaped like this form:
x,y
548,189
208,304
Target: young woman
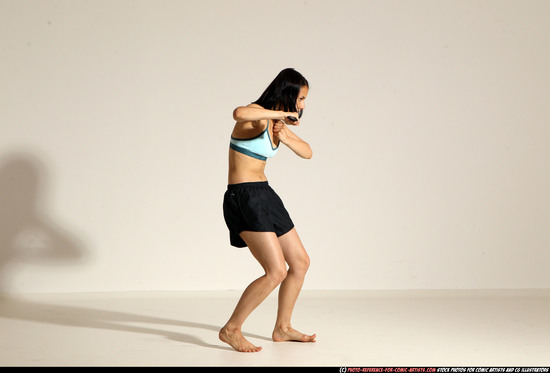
x,y
256,216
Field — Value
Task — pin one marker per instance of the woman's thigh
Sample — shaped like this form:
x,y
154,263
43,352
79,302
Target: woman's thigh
x,y
293,250
266,248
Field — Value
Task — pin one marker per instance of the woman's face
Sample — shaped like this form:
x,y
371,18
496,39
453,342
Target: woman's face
x,y
301,101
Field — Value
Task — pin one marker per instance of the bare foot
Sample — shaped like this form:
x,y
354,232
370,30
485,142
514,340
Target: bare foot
x,y
235,339
289,334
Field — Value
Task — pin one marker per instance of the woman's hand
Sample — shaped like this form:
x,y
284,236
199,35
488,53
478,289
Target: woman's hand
x,y
280,129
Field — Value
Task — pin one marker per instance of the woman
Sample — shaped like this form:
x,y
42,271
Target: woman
x,y
256,216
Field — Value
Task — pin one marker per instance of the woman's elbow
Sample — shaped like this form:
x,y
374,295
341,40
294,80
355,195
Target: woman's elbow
x,y
237,113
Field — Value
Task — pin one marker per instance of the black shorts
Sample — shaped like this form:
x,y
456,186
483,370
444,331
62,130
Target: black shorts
x,y
254,207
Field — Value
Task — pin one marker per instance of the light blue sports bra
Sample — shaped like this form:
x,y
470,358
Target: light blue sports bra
x,y
259,147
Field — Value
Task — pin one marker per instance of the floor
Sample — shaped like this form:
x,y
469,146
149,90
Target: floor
x,y
354,328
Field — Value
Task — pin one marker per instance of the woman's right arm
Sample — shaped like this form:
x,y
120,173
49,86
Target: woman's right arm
x,y
254,113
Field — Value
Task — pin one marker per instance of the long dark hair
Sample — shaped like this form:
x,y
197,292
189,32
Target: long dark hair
x,y
283,91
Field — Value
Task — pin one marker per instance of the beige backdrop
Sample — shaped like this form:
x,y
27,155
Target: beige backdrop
x,y
429,122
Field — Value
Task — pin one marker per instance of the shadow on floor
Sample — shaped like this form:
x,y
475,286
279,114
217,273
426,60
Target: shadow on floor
x,y
20,309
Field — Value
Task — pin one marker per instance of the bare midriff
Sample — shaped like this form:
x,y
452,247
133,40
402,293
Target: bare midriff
x,y
244,169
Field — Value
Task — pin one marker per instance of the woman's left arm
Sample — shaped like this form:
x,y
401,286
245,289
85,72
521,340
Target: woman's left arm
x,y
290,139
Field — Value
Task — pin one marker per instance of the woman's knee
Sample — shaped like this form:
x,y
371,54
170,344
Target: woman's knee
x,y
277,274
306,262
300,265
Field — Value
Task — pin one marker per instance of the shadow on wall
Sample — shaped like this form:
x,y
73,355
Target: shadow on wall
x,y
27,233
